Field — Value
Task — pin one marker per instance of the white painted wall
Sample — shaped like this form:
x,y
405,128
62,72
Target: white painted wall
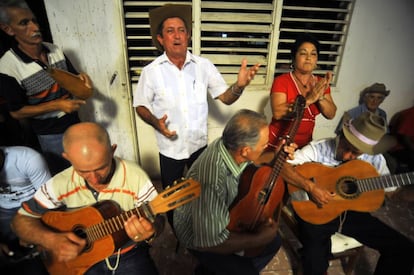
x,y
90,34
378,49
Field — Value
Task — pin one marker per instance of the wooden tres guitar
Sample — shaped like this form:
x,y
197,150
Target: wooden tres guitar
x,y
357,185
260,188
102,225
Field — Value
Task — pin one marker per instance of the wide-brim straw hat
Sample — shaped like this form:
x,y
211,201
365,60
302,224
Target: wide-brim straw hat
x,y
368,133
376,88
158,15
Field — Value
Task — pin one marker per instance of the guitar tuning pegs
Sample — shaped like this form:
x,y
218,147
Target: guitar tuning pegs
x,y
178,181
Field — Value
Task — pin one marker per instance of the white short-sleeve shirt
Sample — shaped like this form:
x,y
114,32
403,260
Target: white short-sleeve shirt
x,y
164,89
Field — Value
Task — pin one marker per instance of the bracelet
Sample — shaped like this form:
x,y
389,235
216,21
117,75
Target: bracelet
x,y
322,98
151,239
234,93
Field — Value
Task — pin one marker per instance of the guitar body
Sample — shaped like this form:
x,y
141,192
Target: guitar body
x,y
76,221
261,190
244,214
102,225
340,180
250,196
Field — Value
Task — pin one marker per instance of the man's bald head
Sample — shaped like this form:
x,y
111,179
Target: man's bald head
x,y
88,148
85,140
85,132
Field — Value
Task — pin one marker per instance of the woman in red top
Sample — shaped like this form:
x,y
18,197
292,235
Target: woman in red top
x,y
300,81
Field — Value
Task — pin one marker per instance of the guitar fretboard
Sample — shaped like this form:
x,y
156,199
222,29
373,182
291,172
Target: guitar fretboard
x,y
386,181
116,223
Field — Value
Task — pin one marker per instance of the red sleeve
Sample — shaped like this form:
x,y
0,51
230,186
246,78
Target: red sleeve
x,y
284,84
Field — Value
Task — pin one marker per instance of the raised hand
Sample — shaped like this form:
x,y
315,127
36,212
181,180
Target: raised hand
x,y
318,88
246,75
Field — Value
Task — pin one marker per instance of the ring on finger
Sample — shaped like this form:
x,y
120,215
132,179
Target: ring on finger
x,y
137,237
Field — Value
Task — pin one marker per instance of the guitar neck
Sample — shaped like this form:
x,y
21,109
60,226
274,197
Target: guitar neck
x,y
116,223
382,182
280,158
171,198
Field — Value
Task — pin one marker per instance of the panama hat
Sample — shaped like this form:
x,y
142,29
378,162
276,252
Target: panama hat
x,y
158,15
376,88
368,133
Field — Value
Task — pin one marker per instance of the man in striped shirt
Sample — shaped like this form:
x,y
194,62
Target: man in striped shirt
x,y
201,225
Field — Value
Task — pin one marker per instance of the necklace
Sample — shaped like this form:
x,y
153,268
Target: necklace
x,y
301,83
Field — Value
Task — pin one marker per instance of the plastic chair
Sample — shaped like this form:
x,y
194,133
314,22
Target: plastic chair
x,y
345,248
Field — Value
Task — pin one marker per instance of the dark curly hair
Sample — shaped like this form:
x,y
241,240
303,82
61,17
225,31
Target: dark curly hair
x,y
302,38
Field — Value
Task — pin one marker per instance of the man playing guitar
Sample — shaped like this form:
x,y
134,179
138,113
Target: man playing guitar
x,y
362,138
95,175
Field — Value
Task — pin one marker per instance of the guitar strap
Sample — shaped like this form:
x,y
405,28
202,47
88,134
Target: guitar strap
x,y
342,219
108,264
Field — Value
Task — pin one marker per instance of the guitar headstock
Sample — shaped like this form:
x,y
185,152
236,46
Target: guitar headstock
x,y
178,194
300,103
297,108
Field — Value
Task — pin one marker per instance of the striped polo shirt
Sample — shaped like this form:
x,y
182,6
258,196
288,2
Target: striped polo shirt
x,y
129,187
203,222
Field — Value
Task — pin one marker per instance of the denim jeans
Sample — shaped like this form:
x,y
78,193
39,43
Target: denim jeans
x,y
136,261
52,149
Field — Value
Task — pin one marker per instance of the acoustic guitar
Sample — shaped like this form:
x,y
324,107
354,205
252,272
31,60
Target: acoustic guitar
x,y
102,225
357,185
261,190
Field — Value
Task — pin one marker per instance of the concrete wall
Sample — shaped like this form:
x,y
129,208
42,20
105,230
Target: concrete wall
x,y
90,34
378,49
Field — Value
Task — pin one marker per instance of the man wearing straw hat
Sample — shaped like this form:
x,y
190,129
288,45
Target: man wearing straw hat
x,y
369,101
171,94
362,138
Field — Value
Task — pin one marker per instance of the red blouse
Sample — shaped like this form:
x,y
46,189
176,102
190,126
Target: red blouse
x,y
286,84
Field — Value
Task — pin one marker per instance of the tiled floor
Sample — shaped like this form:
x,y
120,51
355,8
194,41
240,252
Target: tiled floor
x,y
171,262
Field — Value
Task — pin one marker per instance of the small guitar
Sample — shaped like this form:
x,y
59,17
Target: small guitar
x,y
357,185
70,82
102,225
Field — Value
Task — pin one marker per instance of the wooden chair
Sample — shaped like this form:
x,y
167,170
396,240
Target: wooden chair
x,y
291,242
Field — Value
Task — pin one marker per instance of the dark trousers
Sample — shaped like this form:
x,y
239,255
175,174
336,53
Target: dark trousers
x,y
136,261
396,250
220,264
173,169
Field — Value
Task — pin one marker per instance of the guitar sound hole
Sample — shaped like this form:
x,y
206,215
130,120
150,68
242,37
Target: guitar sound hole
x,y
347,188
80,232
